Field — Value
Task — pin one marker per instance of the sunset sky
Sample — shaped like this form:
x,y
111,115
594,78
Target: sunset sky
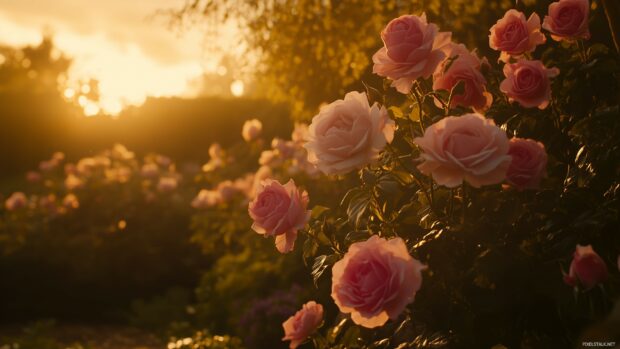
x,y
124,44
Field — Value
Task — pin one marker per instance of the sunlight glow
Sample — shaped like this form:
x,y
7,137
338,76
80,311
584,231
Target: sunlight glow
x,y
127,67
237,88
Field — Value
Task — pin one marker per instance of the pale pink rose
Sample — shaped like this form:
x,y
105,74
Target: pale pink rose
x,y
375,280
120,174
587,268
167,184
48,165
86,165
16,201
245,184
206,198
58,156
412,49
463,66
33,176
529,83
528,165
163,161
513,35
466,148
73,182
286,149
348,134
268,158
149,170
300,133
215,151
568,20
251,130
70,201
227,190
263,172
279,210
121,152
304,323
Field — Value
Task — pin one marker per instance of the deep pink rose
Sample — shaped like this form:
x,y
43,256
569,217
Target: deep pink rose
x,y
568,20
375,280
529,83
348,134
466,68
304,323
513,35
528,165
279,210
412,49
587,268
466,148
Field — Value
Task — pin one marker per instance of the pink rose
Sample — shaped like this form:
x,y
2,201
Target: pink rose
x,y
587,268
206,198
528,82
304,323
279,210
149,170
466,148
412,49
227,190
33,176
528,165
167,184
465,68
568,20
16,201
251,130
70,201
375,280
73,182
348,134
514,36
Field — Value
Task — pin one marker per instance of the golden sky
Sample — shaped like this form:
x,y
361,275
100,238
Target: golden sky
x,y
121,43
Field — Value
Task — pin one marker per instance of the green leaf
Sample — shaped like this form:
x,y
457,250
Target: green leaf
x,y
321,263
317,211
397,112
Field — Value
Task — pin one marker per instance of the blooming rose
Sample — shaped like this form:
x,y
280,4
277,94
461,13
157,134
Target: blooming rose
x,y
587,268
375,280
568,20
528,165
412,49
514,36
71,201
33,176
251,130
167,184
528,82
464,66
16,201
348,134
206,198
464,148
73,182
279,210
227,190
301,325
149,170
